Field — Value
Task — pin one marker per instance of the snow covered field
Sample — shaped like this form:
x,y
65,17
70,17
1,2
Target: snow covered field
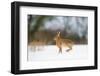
x,y
51,53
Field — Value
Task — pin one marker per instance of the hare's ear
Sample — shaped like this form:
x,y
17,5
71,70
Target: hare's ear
x,y
58,33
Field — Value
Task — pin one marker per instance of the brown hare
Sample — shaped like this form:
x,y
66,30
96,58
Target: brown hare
x,y
60,42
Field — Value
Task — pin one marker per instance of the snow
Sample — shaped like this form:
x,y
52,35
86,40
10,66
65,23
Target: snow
x,y
51,53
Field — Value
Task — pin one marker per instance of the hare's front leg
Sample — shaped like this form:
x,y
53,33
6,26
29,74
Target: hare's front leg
x,y
60,49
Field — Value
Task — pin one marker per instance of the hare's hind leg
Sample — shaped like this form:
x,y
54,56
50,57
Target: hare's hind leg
x,y
70,48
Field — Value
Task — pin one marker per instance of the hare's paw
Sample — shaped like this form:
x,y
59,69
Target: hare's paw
x,y
68,50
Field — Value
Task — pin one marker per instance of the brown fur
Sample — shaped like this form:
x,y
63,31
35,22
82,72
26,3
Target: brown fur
x,y
60,42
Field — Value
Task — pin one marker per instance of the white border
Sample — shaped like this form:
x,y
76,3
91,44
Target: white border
x,y
24,65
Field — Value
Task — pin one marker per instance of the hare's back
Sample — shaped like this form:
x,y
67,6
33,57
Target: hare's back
x,y
67,41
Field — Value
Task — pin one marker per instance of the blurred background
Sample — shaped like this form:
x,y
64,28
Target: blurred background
x,y
45,27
